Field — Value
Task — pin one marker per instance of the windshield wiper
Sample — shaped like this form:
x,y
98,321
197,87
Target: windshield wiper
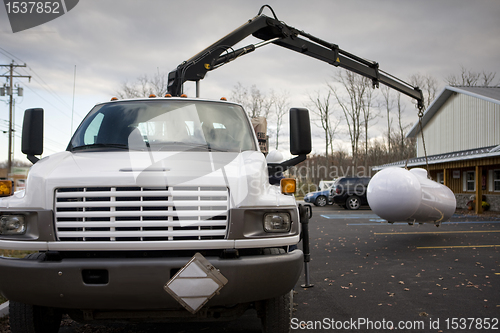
x,y
194,145
212,148
101,145
209,147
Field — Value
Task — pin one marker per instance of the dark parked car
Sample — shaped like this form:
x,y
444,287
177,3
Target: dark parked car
x,y
350,192
319,198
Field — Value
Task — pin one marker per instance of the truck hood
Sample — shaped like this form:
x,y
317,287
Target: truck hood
x,y
245,174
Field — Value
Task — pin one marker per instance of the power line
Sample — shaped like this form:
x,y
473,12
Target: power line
x,y
55,107
41,79
48,89
53,146
48,124
10,54
38,79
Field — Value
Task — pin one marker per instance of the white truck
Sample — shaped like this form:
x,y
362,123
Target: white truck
x,y
165,208
158,206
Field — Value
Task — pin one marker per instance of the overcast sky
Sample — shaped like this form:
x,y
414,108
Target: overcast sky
x,y
114,41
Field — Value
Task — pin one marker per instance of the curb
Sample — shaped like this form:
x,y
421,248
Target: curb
x,y
4,310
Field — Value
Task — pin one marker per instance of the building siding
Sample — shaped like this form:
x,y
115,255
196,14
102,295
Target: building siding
x,y
489,165
462,123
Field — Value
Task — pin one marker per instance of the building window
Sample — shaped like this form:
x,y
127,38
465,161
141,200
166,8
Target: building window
x,y
496,180
440,177
469,181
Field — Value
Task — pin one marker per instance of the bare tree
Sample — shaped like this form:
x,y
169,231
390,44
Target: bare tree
x,y
403,147
136,89
255,102
368,112
239,94
388,104
428,84
332,131
469,78
15,163
352,106
159,83
144,86
487,79
321,108
281,106
261,104
401,134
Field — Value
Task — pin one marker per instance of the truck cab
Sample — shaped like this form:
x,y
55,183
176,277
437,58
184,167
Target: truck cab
x,y
159,207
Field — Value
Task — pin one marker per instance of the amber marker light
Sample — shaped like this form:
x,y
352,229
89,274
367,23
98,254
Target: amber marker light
x,y
184,96
223,99
152,96
114,98
5,188
168,95
288,185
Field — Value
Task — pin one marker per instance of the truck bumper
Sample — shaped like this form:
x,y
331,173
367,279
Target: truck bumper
x,y
138,283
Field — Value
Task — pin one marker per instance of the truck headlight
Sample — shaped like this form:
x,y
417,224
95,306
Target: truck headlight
x,y
277,222
12,225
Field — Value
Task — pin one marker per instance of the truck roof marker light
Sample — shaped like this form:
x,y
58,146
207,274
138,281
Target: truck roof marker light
x,y
152,96
168,95
5,188
114,98
288,185
184,96
223,99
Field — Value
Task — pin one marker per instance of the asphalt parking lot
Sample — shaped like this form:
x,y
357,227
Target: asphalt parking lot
x,y
367,270
370,276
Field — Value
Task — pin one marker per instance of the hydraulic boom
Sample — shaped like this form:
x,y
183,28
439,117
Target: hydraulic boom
x,y
271,30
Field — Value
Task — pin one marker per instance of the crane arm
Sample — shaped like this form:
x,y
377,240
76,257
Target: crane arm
x,y
271,30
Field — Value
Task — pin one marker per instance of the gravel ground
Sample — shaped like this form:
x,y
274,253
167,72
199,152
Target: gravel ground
x,y
67,322
4,325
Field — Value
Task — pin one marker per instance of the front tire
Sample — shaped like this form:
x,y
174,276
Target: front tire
x,y
320,201
27,318
277,314
353,202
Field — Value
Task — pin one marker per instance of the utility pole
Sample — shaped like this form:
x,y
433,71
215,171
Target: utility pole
x,y
10,91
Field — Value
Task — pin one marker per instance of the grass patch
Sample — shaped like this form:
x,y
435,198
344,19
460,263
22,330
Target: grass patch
x,y
15,253
2,299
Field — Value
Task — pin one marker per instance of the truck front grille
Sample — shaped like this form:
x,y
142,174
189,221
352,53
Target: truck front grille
x,y
141,214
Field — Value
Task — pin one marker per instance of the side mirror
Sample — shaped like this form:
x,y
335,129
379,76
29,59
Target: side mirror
x,y
300,142
300,132
32,137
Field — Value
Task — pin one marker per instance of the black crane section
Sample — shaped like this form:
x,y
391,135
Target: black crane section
x,y
271,30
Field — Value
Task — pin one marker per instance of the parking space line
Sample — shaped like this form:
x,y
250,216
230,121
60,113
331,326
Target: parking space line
x,y
434,232
350,216
384,222
456,246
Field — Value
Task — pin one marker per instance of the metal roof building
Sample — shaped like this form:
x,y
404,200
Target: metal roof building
x,y
460,118
461,130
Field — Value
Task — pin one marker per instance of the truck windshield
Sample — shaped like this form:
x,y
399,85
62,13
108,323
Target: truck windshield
x,y
165,125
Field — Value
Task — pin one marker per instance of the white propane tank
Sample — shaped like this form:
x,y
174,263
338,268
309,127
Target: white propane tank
x,y
396,194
